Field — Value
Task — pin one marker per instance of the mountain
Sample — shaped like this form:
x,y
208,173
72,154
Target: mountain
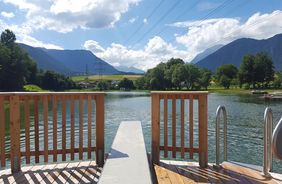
x,y
234,52
206,52
70,62
79,60
129,69
45,61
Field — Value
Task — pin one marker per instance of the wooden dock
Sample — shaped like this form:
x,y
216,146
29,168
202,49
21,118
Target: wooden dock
x,y
67,172
180,172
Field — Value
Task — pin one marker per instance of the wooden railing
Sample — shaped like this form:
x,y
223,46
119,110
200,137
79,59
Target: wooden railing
x,y
163,100
37,114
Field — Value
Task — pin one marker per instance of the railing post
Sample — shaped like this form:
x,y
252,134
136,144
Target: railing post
x,y
15,133
100,130
203,131
155,129
267,138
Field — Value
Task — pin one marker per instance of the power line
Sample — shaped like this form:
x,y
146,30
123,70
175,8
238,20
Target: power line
x,y
159,20
180,15
142,24
213,11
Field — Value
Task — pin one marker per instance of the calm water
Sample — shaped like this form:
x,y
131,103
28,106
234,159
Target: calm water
x,y
245,123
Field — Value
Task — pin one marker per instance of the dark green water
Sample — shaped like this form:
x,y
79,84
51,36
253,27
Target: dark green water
x,y
245,123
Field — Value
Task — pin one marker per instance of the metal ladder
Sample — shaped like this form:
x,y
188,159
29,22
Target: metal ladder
x,y
218,111
268,137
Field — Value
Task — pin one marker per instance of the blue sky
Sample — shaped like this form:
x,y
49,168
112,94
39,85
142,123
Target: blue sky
x,y
139,33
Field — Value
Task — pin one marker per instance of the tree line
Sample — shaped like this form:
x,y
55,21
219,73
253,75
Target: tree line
x,y
255,71
18,69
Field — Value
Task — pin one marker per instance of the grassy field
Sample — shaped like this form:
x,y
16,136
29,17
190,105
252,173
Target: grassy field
x,y
106,77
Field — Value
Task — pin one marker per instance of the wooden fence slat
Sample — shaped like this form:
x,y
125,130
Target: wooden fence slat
x,y
55,126
27,128
89,111
36,129
80,127
165,127
191,126
174,126
45,121
72,127
203,134
2,132
155,107
100,140
64,128
182,130
15,133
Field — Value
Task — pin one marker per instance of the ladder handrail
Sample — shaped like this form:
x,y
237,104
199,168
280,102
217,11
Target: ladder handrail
x,y
267,139
218,111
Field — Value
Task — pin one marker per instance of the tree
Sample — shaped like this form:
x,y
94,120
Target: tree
x,y
247,71
192,77
102,85
141,83
256,70
225,74
8,38
264,69
126,84
206,78
16,68
179,75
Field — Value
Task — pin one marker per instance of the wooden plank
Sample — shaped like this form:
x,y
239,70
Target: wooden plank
x,y
165,127
155,107
182,130
55,126
191,125
162,175
100,141
36,129
203,131
173,126
58,151
89,111
2,132
64,128
15,133
178,149
45,119
72,127
81,127
27,129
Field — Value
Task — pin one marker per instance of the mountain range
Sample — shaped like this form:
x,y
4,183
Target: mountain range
x,y
73,62
234,52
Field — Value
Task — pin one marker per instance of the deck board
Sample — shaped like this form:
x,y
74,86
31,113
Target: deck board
x,y
73,172
180,172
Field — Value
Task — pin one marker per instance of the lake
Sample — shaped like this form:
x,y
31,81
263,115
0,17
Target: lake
x,y
245,123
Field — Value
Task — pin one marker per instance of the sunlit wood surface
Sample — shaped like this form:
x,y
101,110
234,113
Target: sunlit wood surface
x,y
179,172
73,172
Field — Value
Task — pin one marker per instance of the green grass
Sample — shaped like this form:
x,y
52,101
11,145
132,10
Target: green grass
x,y
106,77
33,88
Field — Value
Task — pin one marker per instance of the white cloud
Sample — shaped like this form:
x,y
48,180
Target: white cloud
x,y
145,21
23,35
207,33
67,15
132,20
7,14
204,6
201,34
155,51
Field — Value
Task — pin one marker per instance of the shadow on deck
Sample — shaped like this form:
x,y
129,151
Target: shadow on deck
x,y
74,172
179,172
